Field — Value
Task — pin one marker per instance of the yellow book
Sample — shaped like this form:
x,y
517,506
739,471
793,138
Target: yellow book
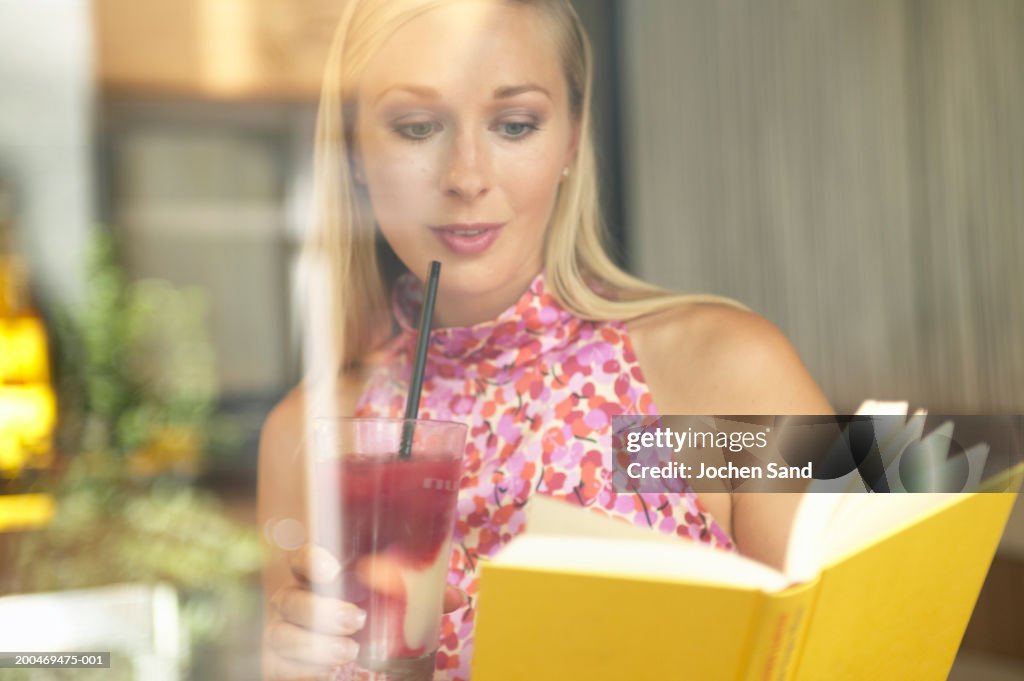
x,y
876,586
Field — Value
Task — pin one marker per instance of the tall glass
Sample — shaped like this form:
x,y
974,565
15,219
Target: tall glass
x,y
389,520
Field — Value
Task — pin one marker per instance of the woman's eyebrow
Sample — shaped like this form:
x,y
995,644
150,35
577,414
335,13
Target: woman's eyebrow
x,y
513,90
503,92
418,90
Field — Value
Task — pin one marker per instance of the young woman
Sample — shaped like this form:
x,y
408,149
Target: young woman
x,y
459,131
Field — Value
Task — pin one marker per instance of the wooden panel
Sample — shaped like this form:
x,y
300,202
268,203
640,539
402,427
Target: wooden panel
x,y
218,49
995,626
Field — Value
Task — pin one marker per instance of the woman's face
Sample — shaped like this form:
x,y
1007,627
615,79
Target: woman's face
x,y
462,135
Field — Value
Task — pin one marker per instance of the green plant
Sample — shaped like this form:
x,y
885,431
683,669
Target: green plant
x,y
135,368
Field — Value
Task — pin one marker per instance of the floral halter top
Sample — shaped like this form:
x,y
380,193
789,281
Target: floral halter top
x,y
538,388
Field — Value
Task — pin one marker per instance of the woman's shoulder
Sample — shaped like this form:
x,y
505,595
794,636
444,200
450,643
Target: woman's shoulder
x,y
712,358
285,422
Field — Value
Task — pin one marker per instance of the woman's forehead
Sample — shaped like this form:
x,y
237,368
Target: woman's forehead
x,y
471,47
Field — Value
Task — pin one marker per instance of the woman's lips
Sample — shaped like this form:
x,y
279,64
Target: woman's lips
x,y
468,239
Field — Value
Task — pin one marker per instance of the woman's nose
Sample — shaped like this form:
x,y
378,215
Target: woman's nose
x,y
467,175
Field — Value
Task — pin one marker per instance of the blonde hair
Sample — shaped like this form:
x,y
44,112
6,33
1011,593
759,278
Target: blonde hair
x,y
345,250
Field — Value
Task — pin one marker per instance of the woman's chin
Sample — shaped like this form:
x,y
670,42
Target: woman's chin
x,y
461,280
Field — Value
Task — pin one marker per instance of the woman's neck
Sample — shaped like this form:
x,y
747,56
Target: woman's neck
x,y
472,308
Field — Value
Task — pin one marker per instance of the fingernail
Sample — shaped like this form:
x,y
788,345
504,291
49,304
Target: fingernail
x,y
353,618
324,568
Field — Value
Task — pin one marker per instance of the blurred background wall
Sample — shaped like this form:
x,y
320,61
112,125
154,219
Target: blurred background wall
x,y
853,170
849,169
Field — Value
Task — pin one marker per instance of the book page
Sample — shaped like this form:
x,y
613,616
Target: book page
x,y
868,518
548,516
563,536
815,523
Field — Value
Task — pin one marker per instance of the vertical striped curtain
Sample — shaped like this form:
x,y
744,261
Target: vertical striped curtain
x,y
853,170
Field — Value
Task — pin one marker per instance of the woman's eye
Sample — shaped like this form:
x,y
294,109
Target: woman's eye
x,y
416,131
516,129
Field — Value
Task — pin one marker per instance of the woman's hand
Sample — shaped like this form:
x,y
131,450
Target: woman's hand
x,y
306,635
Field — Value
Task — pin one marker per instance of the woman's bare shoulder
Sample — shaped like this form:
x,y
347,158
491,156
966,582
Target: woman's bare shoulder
x,y
282,481
285,424
709,358
706,358
287,413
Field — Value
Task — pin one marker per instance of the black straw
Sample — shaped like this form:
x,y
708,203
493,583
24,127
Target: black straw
x,y
412,402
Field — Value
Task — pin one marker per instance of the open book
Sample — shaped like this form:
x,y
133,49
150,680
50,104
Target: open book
x,y
877,586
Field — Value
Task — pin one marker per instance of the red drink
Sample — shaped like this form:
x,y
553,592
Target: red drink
x,y
389,521
396,525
